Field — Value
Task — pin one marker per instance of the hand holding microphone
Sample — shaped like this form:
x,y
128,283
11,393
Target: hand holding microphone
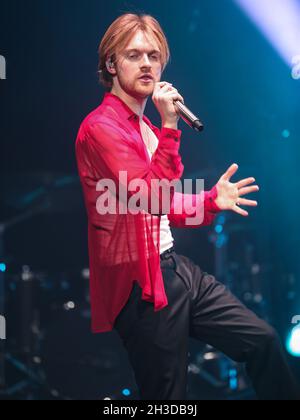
x,y
170,105
163,97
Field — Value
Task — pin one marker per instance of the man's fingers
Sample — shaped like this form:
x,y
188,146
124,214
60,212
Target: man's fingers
x,y
245,182
248,190
244,202
168,88
175,96
240,211
162,87
230,172
168,92
165,88
161,91
163,83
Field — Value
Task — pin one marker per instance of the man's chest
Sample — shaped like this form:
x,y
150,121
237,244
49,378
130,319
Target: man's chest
x,y
149,138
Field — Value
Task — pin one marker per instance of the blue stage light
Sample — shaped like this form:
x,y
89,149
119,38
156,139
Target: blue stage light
x,y
293,342
219,229
2,267
233,380
126,392
286,134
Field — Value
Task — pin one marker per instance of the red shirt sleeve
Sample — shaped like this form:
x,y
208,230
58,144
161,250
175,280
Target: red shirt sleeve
x,y
202,205
110,150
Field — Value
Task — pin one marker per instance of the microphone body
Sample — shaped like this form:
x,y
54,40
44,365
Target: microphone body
x,y
189,117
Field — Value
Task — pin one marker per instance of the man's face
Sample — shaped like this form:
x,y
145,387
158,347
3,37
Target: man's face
x,y
140,57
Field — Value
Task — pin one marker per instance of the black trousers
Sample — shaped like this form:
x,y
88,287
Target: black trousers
x,y
202,308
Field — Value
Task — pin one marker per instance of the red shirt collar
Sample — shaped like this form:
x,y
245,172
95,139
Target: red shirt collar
x,y
124,110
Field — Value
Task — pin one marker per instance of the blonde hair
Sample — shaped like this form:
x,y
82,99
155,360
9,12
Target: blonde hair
x,y
119,34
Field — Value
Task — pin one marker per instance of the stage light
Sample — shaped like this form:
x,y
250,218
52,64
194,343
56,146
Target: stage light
x,y
219,229
286,134
2,267
126,392
279,21
296,67
69,306
293,342
221,241
233,379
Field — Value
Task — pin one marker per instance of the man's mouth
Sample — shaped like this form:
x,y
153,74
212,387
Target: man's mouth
x,y
146,78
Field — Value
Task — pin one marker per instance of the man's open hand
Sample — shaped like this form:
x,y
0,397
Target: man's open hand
x,y
229,194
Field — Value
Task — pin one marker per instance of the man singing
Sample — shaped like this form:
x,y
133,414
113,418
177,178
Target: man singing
x,y
154,298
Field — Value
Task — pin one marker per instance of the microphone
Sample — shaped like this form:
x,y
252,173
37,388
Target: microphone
x,y
189,117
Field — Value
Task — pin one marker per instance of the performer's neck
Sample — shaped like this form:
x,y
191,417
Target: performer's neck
x,y
137,105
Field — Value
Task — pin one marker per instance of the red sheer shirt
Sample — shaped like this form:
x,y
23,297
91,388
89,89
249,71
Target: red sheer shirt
x,y
124,248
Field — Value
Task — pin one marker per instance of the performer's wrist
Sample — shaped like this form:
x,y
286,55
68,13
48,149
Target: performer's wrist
x,y
213,201
170,124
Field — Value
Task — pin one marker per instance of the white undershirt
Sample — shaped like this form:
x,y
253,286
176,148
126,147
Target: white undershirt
x,y
166,238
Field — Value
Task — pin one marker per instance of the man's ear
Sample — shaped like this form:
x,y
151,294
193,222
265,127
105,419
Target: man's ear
x,y
110,66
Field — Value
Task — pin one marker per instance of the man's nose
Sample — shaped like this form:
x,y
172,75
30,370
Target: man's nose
x,y
145,61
